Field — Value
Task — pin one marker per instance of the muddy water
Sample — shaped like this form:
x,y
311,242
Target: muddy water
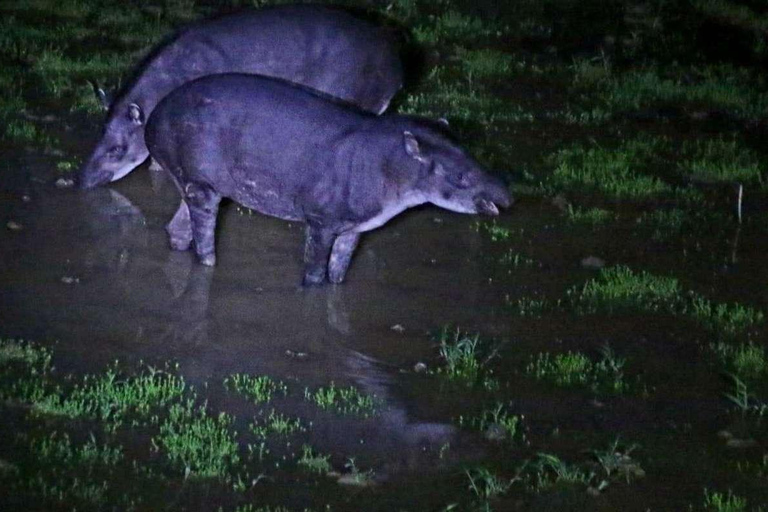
x,y
91,274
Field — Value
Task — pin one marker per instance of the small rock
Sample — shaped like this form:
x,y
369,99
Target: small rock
x,y
296,355
64,183
437,220
26,199
14,226
420,367
495,432
593,262
561,203
398,328
70,280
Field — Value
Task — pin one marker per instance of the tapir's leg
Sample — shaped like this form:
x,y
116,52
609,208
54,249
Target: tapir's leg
x,y
180,229
341,255
203,204
317,248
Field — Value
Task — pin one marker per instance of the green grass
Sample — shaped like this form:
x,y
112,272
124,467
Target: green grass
x,y
453,26
314,462
465,359
495,232
485,485
714,87
591,217
259,389
746,360
114,397
721,161
616,173
498,423
514,259
550,470
725,502
485,64
35,358
277,424
727,319
745,401
58,449
620,288
576,369
347,400
196,443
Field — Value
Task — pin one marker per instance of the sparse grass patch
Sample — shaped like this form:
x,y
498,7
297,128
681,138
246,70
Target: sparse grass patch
x,y
278,424
745,401
465,359
576,369
515,259
497,424
592,217
615,173
725,502
486,485
197,443
58,449
619,288
720,87
532,307
727,319
35,358
550,470
113,397
720,160
259,389
746,360
451,25
314,462
343,400
485,64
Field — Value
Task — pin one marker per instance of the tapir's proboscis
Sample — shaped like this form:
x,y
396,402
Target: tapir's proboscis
x,y
283,151
326,49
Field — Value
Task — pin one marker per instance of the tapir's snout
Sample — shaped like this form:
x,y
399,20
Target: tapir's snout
x,y
493,195
90,177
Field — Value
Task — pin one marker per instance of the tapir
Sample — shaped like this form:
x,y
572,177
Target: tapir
x,y
285,151
323,48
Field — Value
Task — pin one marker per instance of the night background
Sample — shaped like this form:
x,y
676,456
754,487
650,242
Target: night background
x,y
598,346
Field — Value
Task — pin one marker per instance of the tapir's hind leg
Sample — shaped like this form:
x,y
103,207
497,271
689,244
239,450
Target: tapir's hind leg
x,y
180,229
317,248
341,255
203,204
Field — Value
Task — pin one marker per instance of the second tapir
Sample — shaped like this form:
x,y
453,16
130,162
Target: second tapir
x,y
324,48
284,151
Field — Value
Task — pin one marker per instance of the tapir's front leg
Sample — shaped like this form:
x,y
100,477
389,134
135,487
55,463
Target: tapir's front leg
x,y
317,248
341,255
180,229
203,204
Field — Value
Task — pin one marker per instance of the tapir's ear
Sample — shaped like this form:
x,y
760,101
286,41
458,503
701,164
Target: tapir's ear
x,y
101,95
443,121
135,114
412,148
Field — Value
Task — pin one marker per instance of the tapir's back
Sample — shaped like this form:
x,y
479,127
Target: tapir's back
x,y
236,128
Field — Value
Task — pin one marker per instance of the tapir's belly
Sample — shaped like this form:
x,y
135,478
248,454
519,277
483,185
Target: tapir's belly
x,y
268,196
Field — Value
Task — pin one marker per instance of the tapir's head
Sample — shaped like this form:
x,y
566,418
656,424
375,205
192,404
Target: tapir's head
x,y
450,178
120,149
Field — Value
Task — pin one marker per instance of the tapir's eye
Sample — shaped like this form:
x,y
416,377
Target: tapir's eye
x,y
116,152
459,180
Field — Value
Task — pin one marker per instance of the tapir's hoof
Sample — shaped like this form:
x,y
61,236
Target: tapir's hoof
x,y
313,280
336,278
209,260
179,244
